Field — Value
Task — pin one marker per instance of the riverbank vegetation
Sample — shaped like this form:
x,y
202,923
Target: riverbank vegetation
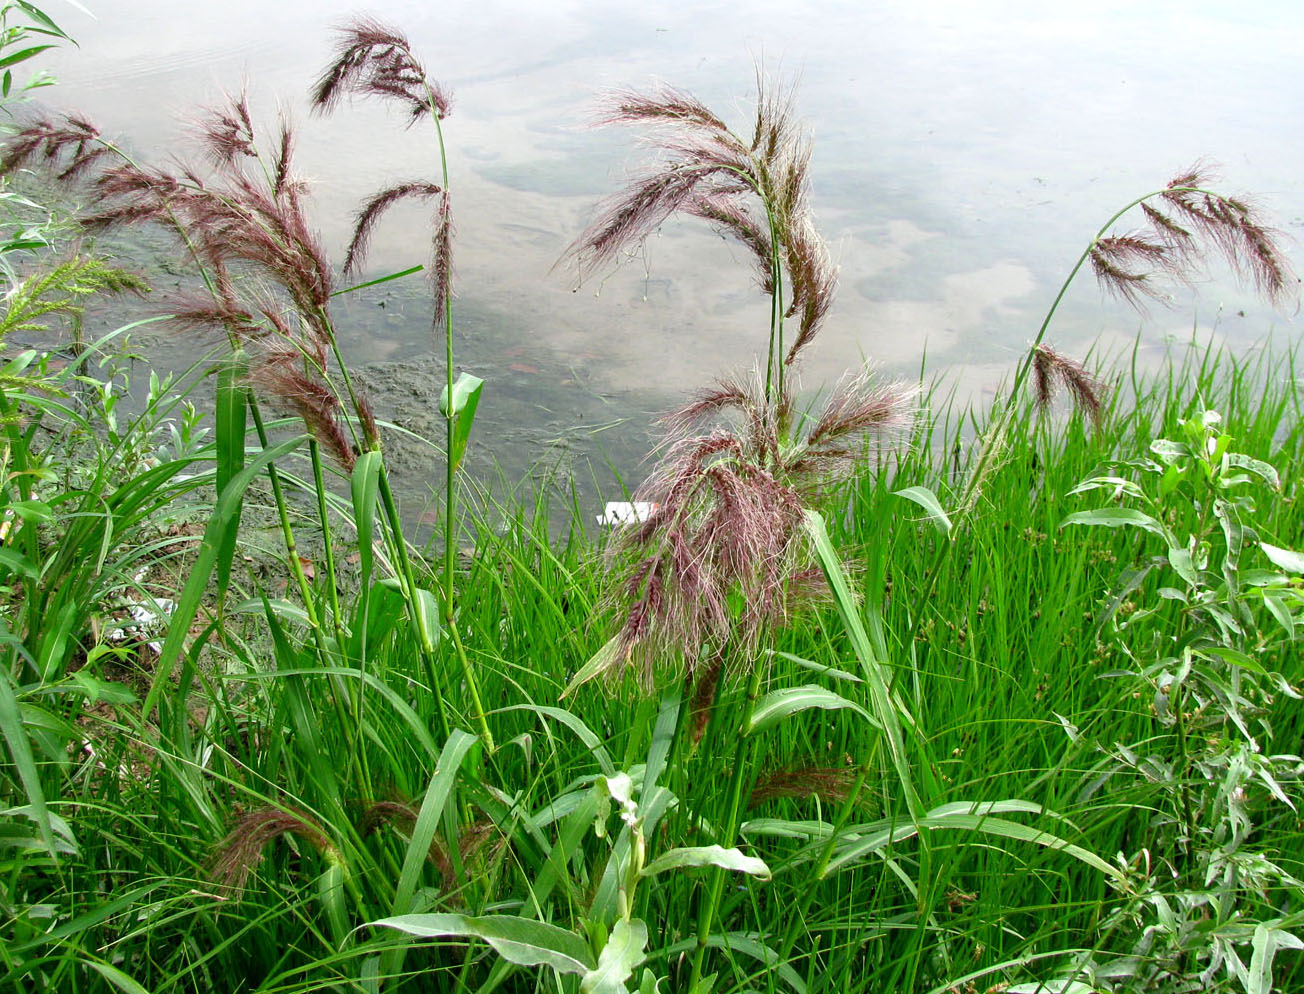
x,y
882,694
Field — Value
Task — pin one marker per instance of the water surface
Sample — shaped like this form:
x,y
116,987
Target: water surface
x,y
964,154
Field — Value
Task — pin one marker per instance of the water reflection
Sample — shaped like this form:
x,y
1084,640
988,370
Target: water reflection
x,y
964,153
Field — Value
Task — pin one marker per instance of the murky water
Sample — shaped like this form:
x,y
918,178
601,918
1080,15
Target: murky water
x,y
964,153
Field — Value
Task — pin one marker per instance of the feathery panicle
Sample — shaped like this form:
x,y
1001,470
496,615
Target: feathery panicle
x,y
227,135
75,142
232,223
704,170
723,558
1113,260
724,210
373,59
441,269
724,395
239,854
282,184
831,784
638,211
369,214
1193,218
281,375
859,406
205,314
813,279
1050,368
667,105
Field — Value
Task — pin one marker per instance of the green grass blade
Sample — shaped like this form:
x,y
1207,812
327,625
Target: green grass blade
x,y
780,704
196,587
518,940
229,422
874,668
432,809
20,752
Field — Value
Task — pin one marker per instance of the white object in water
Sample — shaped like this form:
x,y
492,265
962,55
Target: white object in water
x,y
626,512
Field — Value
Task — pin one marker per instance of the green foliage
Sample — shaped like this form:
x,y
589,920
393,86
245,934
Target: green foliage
x,y
275,788
1204,652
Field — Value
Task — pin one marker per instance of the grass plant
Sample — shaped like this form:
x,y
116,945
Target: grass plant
x,y
1030,770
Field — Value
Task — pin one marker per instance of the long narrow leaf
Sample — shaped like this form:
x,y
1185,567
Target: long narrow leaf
x,y
779,704
432,808
192,594
517,940
874,668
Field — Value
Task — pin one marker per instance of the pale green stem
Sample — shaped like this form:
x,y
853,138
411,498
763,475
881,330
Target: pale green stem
x,y
450,480
1006,413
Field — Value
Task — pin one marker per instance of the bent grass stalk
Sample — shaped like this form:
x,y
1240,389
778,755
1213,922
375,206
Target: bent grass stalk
x,y
1226,221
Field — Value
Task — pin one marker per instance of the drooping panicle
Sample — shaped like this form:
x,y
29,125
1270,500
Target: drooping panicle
x,y
373,59
1125,264
280,375
237,224
722,557
756,192
1051,368
71,148
1184,220
239,854
370,213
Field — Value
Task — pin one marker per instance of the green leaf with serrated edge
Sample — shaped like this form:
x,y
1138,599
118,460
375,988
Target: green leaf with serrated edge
x,y
1287,559
623,951
926,499
466,398
696,857
1116,517
517,940
192,594
779,704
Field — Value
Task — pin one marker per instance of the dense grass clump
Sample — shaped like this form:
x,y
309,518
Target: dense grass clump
x,y
1004,701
